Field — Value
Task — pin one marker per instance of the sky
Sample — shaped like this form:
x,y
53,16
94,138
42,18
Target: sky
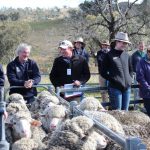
x,y
42,3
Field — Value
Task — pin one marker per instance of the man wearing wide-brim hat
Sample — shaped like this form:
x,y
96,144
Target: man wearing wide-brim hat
x,y
117,69
104,49
79,48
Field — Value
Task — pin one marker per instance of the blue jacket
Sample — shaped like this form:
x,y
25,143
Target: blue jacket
x,y
2,78
143,77
83,53
18,73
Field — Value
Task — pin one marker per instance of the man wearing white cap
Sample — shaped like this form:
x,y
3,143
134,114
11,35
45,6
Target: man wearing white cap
x,y
79,48
69,68
117,69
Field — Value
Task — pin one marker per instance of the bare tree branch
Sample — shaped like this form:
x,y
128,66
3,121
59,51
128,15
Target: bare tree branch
x,y
101,11
130,6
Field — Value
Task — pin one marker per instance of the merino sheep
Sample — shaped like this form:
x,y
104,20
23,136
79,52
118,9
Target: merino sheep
x,y
21,123
91,104
53,117
42,101
106,119
130,117
27,144
16,98
76,134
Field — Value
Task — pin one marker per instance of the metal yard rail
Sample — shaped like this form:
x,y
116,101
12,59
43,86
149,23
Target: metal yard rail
x,y
131,143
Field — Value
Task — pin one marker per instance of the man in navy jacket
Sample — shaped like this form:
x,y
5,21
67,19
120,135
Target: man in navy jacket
x,y
23,71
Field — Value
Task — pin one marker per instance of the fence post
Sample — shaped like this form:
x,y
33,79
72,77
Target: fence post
x,y
134,143
73,104
4,145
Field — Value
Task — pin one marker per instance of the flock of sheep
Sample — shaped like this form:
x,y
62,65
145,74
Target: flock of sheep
x,y
46,125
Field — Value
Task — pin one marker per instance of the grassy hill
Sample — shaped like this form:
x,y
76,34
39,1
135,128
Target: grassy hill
x,y
44,38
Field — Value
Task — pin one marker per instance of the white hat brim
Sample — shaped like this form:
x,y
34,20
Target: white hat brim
x,y
63,46
121,41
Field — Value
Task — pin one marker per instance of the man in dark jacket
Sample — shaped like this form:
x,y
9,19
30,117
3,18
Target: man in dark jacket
x,y
117,69
136,57
104,45
69,68
23,71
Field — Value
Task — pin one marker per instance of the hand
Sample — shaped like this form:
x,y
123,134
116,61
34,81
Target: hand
x,y
28,84
77,83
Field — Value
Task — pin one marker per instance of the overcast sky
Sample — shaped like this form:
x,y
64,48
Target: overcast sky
x,y
41,3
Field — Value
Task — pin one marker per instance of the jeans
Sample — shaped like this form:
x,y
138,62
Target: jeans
x,y
119,100
147,105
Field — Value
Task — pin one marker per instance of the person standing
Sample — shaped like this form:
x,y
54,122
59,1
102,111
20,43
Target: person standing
x,y
79,49
69,68
117,69
105,47
136,57
23,71
143,77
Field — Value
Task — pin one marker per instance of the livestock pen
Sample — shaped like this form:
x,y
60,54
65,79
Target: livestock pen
x,y
130,143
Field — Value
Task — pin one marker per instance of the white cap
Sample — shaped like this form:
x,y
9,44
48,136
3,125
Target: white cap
x,y
80,39
65,44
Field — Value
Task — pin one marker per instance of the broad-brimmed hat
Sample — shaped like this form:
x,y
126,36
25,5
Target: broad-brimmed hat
x,y
65,44
105,42
123,37
80,39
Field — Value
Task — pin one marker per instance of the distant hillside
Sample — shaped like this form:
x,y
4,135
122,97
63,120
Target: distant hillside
x,y
44,38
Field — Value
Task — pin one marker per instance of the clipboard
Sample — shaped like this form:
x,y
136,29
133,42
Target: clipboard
x,y
68,95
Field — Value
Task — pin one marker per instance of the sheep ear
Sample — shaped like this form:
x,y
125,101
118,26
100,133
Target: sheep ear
x,y
36,123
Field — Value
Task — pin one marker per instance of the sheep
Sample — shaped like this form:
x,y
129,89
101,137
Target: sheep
x,y
42,101
16,98
106,119
130,117
53,116
76,134
27,144
91,104
43,94
21,124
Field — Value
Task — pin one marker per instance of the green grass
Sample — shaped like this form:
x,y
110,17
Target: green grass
x,y
45,24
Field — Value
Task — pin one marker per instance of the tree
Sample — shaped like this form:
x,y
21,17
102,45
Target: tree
x,y
11,34
115,16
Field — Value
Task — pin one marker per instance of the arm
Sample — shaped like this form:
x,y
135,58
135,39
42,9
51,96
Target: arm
x,y
12,77
105,68
141,77
130,66
36,74
2,78
53,76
